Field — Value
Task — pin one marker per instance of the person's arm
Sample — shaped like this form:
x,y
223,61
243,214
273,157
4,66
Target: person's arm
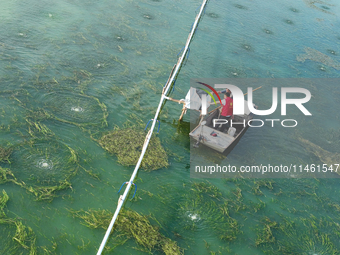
x,y
217,102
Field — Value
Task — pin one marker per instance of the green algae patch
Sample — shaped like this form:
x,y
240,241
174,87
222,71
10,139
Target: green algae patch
x,y
3,201
317,56
5,153
76,109
130,224
17,238
299,236
325,156
6,175
204,206
42,167
47,193
127,144
316,3
34,125
266,235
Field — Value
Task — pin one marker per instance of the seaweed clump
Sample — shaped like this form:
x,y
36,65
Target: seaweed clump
x,y
317,56
127,144
212,15
312,4
5,153
23,239
3,201
131,225
239,6
299,236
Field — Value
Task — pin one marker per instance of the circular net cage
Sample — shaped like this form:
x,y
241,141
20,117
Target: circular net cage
x,y
43,163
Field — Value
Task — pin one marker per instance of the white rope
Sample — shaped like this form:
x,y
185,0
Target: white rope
x,y
148,137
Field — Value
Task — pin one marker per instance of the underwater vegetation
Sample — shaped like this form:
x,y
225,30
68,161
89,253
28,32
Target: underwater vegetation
x,y
281,227
298,236
204,206
18,238
324,8
44,161
76,109
3,201
127,144
5,153
242,7
326,157
212,15
317,56
130,224
42,167
42,193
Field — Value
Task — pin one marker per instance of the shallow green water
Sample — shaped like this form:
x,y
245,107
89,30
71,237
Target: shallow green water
x,y
71,70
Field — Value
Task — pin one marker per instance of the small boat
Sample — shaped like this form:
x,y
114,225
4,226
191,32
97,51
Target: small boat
x,y
205,133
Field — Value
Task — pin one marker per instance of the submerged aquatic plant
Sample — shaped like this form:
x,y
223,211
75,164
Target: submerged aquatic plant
x,y
47,193
266,235
3,201
213,15
312,4
43,162
131,224
242,7
5,153
46,166
127,144
77,109
6,175
317,56
326,157
20,238
205,205
23,238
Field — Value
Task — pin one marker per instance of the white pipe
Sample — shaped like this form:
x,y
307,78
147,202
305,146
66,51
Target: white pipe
x,y
148,137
